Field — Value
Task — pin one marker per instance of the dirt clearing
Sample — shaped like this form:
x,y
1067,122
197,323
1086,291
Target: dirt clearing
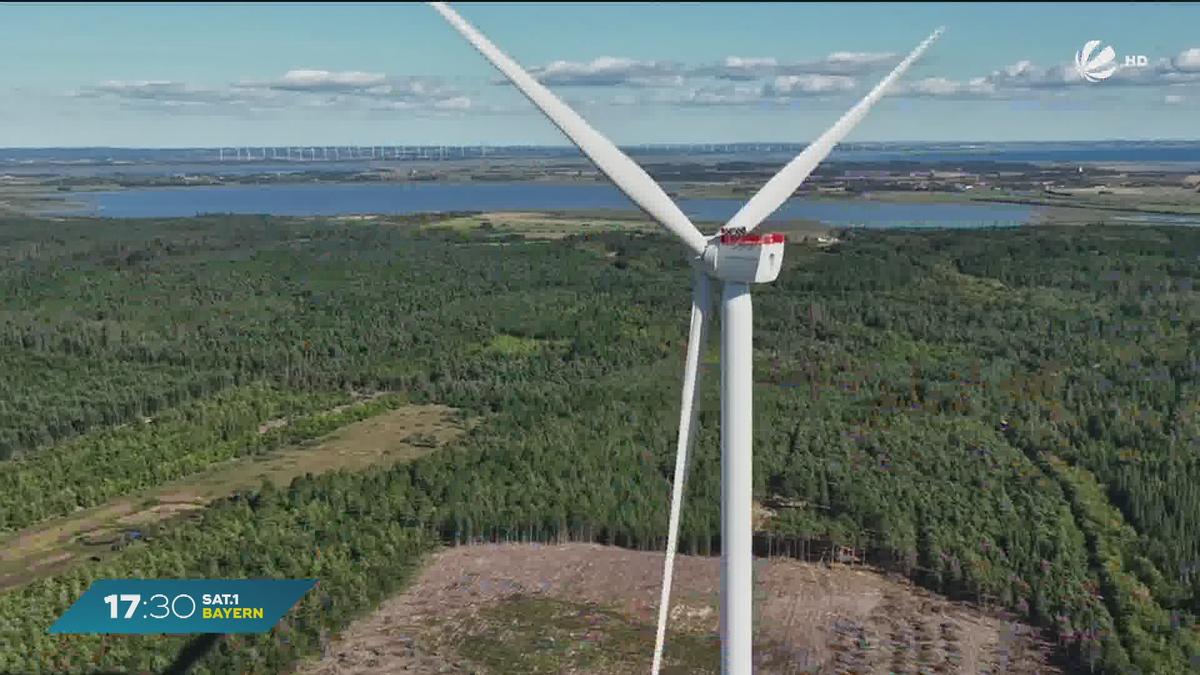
x,y
520,608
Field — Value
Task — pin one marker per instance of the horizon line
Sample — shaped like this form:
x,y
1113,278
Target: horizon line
x,y
572,147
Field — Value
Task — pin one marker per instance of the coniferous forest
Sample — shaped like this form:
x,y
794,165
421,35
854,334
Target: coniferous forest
x,y
1007,416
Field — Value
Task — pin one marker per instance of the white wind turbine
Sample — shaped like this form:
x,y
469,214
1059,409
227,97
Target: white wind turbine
x,y
736,259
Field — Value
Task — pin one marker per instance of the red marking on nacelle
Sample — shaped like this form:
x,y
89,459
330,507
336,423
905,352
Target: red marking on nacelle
x,y
733,239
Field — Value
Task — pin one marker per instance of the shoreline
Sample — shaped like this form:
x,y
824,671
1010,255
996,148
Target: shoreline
x,y
1045,208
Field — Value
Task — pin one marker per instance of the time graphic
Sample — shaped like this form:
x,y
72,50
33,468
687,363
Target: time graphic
x,y
182,605
168,606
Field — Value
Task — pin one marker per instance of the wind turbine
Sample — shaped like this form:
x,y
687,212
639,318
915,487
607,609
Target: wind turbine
x,y
737,259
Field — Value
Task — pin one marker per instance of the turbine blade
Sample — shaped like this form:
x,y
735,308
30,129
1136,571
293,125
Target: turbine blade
x,y
781,186
697,339
629,177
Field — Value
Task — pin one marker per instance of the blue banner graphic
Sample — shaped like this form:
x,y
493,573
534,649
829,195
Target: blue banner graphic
x,y
182,605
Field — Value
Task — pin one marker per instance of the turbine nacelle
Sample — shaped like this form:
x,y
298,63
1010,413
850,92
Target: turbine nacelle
x,y
739,256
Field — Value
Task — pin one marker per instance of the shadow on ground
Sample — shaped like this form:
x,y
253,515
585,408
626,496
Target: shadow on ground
x,y
188,656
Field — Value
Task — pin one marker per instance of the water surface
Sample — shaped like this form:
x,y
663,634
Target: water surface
x,y
390,198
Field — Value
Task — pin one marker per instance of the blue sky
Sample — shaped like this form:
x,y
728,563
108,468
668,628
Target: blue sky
x,y
175,75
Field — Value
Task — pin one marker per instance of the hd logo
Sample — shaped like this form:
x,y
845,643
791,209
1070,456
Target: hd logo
x,y
1102,65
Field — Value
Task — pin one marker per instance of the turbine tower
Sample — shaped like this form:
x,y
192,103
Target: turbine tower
x,y
736,259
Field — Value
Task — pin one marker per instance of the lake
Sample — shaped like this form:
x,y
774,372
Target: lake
x,y
330,200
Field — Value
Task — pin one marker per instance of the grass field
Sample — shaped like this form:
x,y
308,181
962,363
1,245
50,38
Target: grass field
x,y
21,199
543,225
396,436
537,225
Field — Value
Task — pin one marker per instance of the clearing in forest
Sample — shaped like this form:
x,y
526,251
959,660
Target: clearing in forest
x,y
576,608
396,436
97,533
543,225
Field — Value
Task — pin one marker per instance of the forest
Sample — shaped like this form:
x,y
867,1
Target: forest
x,y
1008,416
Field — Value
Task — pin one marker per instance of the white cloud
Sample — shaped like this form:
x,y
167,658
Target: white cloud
x,y
720,95
940,86
455,103
607,71
748,80
357,83
297,89
801,85
741,68
610,71
307,80
1188,61
750,62
860,59
169,93
1024,77
734,81
844,71
767,79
